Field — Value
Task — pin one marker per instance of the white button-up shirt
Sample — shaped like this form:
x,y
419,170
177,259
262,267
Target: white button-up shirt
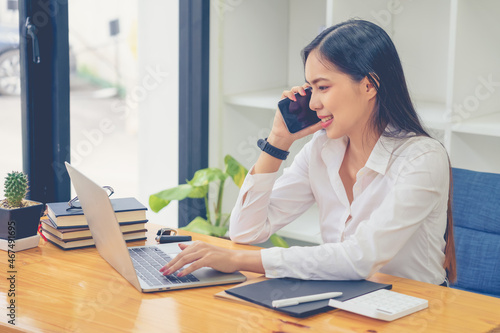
x,y
395,224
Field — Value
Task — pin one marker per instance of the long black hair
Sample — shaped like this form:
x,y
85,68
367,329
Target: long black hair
x,y
362,49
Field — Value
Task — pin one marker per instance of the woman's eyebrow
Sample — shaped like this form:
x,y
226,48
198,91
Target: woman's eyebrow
x,y
316,80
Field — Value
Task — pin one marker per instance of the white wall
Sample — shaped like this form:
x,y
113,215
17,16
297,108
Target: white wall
x,y
158,38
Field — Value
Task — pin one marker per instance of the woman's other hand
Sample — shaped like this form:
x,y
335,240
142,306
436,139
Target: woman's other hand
x,y
200,254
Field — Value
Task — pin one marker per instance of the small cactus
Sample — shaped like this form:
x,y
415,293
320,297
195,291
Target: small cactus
x,y
16,187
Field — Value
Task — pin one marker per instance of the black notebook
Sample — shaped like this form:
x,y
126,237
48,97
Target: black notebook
x,y
263,293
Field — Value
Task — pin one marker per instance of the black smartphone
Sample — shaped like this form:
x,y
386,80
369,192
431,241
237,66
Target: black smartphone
x,y
297,115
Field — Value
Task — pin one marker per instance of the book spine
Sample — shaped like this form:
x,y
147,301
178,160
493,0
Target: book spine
x,y
86,225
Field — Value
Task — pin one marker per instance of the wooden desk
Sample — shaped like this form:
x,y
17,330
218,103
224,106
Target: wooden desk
x,y
77,291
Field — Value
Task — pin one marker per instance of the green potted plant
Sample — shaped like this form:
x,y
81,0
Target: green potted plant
x,y
215,223
19,218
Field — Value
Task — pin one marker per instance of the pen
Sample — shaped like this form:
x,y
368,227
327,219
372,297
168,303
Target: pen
x,y
304,299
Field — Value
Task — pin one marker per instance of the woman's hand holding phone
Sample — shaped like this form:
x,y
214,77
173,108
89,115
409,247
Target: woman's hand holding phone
x,y
280,136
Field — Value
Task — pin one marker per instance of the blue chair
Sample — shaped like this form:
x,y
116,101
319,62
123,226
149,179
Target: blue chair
x,y
476,217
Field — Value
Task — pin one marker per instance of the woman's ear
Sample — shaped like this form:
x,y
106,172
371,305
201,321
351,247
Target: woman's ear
x,y
369,87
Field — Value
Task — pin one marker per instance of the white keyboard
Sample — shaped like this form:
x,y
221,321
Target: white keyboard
x,y
382,304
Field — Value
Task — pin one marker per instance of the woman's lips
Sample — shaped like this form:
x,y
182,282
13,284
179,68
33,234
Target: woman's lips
x,y
326,121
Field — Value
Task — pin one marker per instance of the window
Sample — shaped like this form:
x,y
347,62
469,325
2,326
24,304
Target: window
x,y
10,89
115,71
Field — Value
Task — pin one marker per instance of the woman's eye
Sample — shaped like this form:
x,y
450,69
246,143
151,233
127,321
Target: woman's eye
x,y
322,87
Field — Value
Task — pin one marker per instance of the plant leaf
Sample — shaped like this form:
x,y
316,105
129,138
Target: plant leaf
x,y
198,192
235,170
205,176
201,226
161,199
278,241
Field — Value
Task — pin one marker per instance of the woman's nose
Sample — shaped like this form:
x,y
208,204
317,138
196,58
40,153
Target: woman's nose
x,y
315,103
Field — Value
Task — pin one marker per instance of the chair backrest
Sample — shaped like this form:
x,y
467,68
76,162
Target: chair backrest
x,y
476,217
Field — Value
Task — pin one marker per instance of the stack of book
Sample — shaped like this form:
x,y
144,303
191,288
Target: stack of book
x,y
68,229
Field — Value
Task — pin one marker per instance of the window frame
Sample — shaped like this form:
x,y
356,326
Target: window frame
x,y
194,47
45,99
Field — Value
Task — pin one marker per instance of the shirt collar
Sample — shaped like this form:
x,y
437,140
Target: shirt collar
x,y
381,154
334,149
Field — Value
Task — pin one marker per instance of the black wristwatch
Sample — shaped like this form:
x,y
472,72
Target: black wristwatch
x,y
272,150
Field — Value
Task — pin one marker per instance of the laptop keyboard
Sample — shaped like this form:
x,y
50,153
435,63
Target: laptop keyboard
x,y
147,263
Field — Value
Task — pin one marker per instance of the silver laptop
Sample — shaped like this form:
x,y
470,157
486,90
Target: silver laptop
x,y
139,265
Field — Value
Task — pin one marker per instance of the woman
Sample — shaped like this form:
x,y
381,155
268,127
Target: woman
x,y
380,182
